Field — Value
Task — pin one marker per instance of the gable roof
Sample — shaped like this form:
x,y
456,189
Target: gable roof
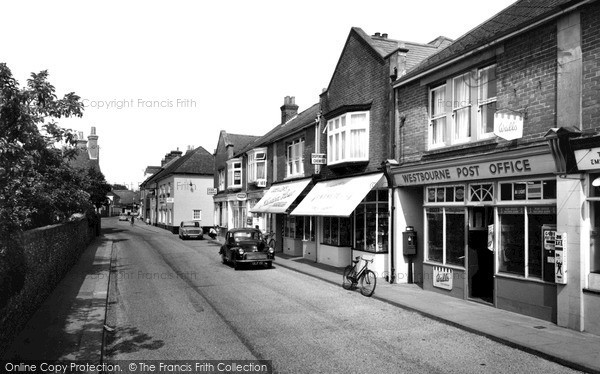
x,y
302,120
126,197
82,160
512,19
382,47
195,162
238,141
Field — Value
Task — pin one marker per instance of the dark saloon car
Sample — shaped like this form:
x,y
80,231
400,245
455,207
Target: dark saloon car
x,y
190,230
246,246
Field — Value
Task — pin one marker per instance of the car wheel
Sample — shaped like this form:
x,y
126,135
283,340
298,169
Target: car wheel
x,y
236,265
269,264
223,258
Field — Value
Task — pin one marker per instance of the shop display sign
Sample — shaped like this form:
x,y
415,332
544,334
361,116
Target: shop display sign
x,y
490,241
560,258
588,159
318,159
442,277
508,126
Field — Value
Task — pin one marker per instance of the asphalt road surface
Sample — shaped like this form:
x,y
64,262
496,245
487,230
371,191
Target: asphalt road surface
x,y
174,300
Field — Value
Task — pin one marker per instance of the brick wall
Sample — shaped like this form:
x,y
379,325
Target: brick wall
x,y
361,77
590,49
281,154
526,79
39,259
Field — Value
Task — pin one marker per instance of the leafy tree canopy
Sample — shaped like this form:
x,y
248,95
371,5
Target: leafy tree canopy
x,y
37,185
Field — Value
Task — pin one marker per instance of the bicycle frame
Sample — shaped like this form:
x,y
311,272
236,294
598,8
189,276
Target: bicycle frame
x,y
355,276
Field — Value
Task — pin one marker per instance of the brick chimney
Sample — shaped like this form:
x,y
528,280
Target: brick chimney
x,y
170,156
81,143
289,109
93,150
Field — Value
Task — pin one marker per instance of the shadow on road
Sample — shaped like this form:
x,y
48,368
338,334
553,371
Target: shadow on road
x,y
130,340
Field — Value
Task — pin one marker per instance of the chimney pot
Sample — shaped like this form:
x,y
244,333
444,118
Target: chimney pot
x,y
384,35
289,109
377,34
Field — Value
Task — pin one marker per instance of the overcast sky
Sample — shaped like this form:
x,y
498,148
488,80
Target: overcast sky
x,y
157,76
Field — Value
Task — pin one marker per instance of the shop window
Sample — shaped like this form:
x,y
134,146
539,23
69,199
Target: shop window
x,y
594,204
530,190
446,235
372,222
197,214
337,231
299,227
521,254
448,194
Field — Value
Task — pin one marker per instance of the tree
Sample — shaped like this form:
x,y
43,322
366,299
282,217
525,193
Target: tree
x,y
37,186
97,187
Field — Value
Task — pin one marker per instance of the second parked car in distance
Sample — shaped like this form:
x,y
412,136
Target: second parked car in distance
x,y
190,230
246,246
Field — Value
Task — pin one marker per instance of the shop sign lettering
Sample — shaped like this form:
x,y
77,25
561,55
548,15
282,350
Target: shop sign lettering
x,y
516,167
588,159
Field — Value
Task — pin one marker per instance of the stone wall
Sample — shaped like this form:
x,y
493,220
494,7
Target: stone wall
x,y
31,266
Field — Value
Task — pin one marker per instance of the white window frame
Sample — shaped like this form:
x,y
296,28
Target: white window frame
x,y
481,103
434,142
197,214
448,110
340,130
294,158
257,157
234,165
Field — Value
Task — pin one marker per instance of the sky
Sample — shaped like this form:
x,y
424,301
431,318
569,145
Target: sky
x,y
156,76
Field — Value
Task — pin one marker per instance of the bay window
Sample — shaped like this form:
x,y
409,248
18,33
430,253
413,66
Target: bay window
x,y
348,138
295,158
234,173
221,180
257,165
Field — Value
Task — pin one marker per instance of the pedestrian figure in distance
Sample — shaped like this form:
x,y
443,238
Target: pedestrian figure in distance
x,y
132,218
213,232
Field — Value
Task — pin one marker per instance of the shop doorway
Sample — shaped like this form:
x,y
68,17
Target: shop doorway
x,y
480,260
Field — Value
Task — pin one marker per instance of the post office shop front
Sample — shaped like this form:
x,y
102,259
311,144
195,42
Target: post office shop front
x,y
487,222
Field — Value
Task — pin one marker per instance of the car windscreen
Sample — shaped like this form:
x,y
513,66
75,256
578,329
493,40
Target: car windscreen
x,y
247,235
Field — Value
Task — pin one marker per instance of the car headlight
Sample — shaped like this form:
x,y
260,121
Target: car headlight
x,y
241,251
271,250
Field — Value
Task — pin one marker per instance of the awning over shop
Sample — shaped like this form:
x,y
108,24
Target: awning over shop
x,y
280,196
337,197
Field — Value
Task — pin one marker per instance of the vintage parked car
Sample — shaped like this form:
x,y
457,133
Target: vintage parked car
x,y
123,217
246,246
190,230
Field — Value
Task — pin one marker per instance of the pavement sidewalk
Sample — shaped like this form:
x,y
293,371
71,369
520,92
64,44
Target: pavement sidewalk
x,y
578,350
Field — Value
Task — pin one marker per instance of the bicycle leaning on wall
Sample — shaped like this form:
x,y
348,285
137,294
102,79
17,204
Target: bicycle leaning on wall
x,y
353,275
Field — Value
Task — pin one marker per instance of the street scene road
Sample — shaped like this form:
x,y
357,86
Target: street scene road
x,y
171,299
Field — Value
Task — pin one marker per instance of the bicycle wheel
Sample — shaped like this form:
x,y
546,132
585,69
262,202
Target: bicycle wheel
x,y
347,282
368,283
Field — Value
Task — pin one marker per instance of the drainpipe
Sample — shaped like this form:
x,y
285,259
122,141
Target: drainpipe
x,y
386,167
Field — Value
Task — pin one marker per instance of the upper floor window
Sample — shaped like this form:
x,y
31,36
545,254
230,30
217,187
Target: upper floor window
x,y
221,180
234,173
295,158
348,138
257,165
453,116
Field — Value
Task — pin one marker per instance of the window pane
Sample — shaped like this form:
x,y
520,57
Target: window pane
x,y
536,242
506,191
299,228
462,92
460,193
358,143
487,83
462,123
430,195
438,130
342,145
519,191
335,231
512,241
487,117
450,194
455,237
549,189
359,231
327,230
441,194
346,231
371,227
595,237
382,227
438,101
435,231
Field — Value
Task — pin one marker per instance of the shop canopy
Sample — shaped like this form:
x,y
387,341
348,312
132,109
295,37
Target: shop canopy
x,y
280,196
337,197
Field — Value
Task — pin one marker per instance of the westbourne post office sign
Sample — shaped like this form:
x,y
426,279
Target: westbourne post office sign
x,y
516,167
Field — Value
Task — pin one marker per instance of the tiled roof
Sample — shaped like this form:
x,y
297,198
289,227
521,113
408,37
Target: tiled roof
x,y
239,141
82,160
302,120
197,162
125,196
511,19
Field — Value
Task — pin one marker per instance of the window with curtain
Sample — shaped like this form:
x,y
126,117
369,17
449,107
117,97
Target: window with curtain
x,y
295,158
487,99
461,108
257,165
437,109
348,138
234,173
